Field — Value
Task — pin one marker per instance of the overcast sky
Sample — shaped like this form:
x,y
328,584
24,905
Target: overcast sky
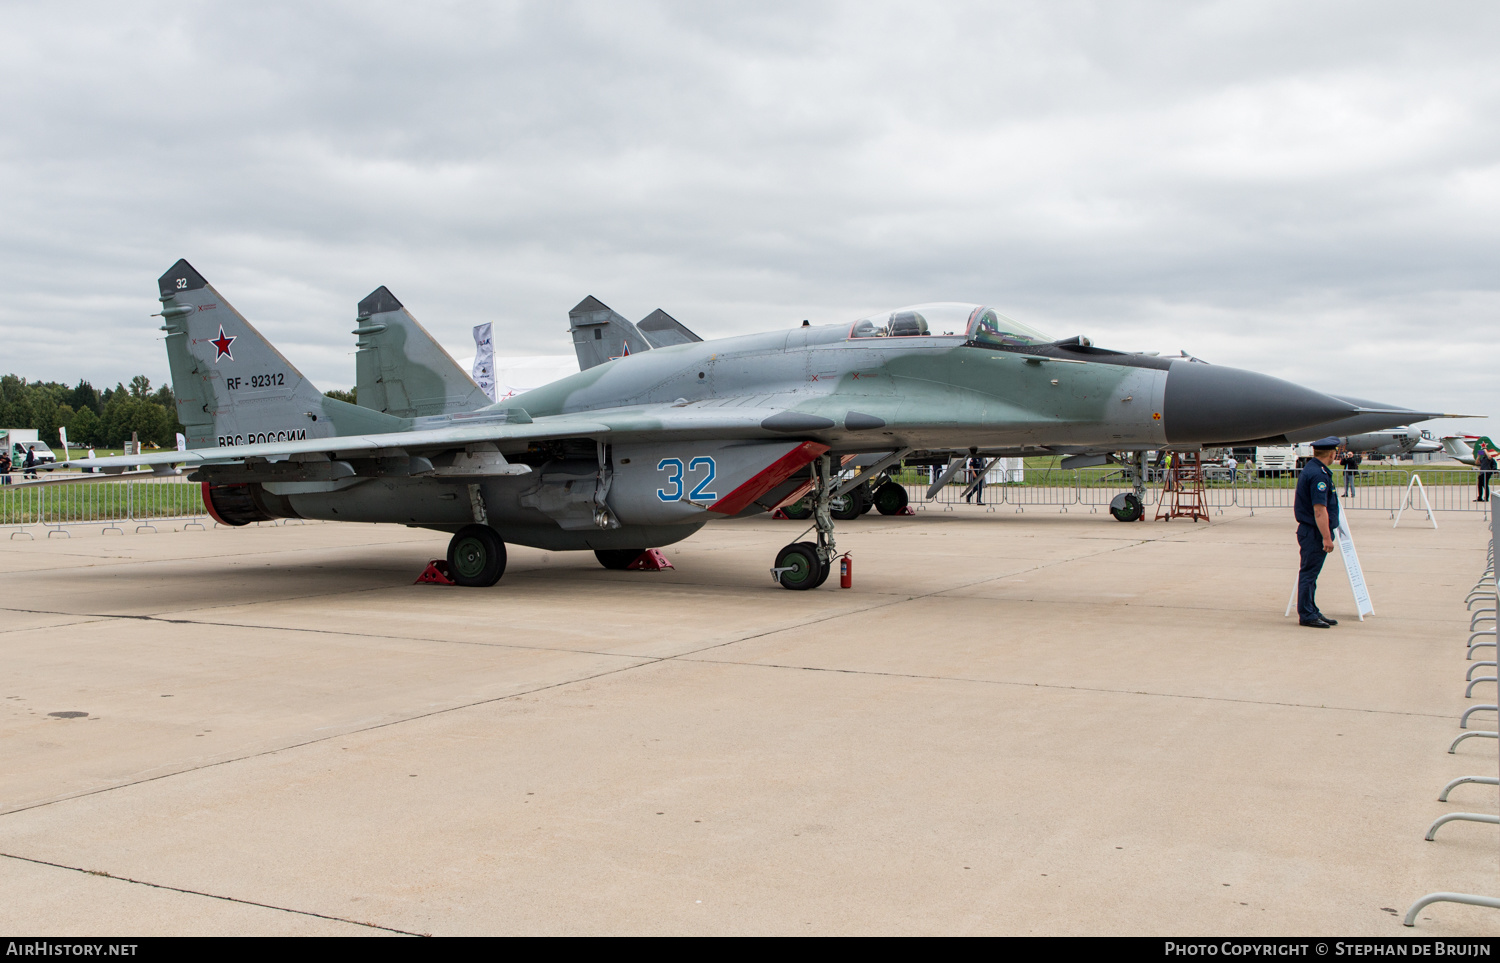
x,y
1311,190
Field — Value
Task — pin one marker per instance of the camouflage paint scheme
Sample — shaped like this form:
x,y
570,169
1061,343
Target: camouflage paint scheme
x,y
640,450
401,370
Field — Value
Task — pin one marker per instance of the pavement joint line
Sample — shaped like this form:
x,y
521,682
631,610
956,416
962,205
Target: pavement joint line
x,y
892,599
1073,688
642,661
85,619
365,635
339,735
195,892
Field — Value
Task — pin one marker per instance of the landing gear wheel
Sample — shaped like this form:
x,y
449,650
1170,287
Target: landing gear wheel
x,y
891,499
803,570
617,558
844,507
476,556
798,511
823,569
1125,507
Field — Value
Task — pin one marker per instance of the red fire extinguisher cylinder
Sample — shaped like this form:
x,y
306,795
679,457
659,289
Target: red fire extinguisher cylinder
x,y
846,572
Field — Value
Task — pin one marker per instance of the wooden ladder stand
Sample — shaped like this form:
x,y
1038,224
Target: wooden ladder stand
x,y
1186,500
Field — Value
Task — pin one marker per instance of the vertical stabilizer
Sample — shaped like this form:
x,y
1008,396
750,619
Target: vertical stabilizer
x,y
601,335
400,370
663,330
232,386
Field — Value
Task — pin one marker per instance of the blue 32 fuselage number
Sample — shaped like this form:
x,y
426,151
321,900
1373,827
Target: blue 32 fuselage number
x,y
675,472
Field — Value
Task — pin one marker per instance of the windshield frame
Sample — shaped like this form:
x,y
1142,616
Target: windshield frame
x,y
989,328
931,319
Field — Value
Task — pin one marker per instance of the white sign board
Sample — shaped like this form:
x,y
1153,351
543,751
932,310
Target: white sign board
x,y
1362,602
1345,540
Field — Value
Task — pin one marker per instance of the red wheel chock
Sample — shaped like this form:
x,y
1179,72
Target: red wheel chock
x,y
436,573
651,560
908,510
778,513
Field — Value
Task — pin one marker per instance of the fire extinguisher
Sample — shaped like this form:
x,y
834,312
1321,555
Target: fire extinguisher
x,y
846,571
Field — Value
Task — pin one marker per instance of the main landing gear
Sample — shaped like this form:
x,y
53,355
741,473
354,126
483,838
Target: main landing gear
x,y
476,556
805,565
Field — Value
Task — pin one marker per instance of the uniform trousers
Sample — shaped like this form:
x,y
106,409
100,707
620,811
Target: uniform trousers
x,y
1310,541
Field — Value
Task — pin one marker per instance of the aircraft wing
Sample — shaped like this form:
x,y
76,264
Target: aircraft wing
x,y
457,436
676,422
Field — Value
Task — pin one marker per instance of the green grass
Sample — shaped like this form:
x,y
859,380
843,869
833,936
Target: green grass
x,y
102,501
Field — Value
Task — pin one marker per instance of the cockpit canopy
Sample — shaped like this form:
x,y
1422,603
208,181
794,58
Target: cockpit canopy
x,y
975,321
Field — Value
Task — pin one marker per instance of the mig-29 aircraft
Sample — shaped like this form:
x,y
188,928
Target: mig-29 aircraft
x,y
643,448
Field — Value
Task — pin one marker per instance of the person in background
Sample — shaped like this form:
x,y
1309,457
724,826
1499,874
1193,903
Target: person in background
x,y
976,486
30,464
4,468
1486,464
1350,464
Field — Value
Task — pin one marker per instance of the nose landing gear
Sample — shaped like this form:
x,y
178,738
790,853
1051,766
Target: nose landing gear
x,y
1131,506
805,565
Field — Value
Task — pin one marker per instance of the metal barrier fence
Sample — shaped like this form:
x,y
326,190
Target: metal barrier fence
x,y
1388,490
112,505
140,502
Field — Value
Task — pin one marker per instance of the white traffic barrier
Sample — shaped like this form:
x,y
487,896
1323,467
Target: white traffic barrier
x,y
1467,898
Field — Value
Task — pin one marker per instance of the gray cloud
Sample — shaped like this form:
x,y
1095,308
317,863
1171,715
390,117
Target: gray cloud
x,y
1311,192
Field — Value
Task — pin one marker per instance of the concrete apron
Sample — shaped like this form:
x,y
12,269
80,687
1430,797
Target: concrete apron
x,y
1038,723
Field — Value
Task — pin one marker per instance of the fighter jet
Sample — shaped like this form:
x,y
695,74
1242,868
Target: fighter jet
x,y
646,446
1465,448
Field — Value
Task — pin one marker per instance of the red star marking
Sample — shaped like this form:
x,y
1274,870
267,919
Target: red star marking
x,y
222,343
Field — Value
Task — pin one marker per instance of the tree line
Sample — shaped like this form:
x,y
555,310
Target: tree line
x,y
100,419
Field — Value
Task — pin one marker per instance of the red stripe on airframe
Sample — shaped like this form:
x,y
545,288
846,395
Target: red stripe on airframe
x,y
768,478
208,503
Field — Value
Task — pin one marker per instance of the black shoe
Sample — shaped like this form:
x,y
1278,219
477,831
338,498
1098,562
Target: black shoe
x,y
1315,624
1327,619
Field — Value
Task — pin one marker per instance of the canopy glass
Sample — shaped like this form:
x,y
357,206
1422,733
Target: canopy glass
x,y
975,321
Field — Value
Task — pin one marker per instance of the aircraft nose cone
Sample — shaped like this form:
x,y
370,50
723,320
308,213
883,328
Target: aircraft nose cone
x,y
1206,403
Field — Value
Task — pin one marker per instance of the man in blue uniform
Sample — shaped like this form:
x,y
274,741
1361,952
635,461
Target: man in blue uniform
x,y
1317,512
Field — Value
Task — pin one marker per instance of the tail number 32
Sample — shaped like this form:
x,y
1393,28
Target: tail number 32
x,y
677,485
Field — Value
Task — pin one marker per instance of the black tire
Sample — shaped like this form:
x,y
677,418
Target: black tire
x,y
891,499
798,511
824,570
1125,507
617,558
476,556
804,569
845,507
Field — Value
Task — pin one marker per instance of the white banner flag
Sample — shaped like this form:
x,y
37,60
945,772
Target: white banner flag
x,y
484,360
